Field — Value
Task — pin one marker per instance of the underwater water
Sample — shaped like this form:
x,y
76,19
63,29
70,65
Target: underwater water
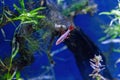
x,y
69,60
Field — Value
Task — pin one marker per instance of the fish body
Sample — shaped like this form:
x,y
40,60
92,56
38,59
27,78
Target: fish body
x,y
65,35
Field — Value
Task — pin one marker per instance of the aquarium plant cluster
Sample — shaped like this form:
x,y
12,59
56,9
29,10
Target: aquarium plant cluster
x,y
35,32
113,29
26,19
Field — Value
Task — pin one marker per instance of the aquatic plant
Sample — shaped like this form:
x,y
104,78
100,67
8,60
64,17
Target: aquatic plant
x,y
15,49
25,17
96,64
75,7
14,74
113,30
28,17
81,7
6,15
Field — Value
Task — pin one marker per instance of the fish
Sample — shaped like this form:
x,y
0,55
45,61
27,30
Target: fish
x,y
65,35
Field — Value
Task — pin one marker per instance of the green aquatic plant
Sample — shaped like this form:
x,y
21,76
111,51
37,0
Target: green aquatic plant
x,y
29,25
113,29
15,50
28,16
25,17
6,15
98,78
82,7
75,7
112,32
8,66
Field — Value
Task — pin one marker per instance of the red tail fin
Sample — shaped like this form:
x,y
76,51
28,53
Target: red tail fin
x,y
71,28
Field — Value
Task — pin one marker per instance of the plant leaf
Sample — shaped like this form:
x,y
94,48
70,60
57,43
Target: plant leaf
x,y
17,75
3,33
102,39
37,9
114,36
17,8
22,5
41,16
31,21
2,62
105,13
116,50
17,18
12,76
14,53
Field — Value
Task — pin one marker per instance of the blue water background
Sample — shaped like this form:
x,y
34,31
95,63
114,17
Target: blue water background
x,y
65,67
